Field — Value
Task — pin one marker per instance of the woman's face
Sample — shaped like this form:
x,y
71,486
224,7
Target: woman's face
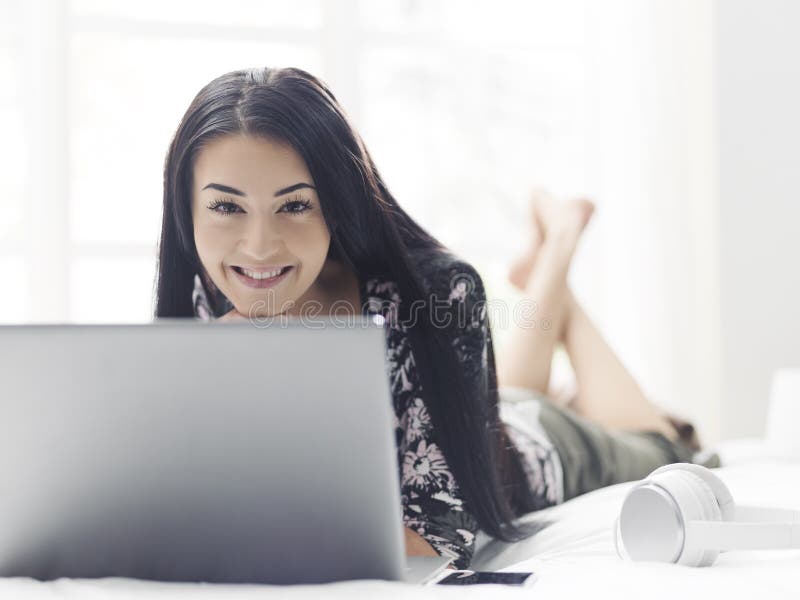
x,y
258,227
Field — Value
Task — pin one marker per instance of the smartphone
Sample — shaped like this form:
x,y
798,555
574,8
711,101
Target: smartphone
x,y
467,577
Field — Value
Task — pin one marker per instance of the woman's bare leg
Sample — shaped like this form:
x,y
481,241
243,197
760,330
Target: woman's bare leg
x,y
529,355
607,393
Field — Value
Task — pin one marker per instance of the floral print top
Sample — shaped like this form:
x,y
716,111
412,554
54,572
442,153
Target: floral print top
x,y
433,505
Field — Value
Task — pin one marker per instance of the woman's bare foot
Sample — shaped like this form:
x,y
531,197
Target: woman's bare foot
x,y
521,268
564,219
559,221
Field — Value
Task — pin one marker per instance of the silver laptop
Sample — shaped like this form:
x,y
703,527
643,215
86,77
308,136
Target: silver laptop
x,y
188,451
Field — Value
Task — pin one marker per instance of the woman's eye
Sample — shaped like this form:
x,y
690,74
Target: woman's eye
x,y
224,208
296,206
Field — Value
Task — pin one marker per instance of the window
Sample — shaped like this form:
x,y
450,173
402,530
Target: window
x,y
462,108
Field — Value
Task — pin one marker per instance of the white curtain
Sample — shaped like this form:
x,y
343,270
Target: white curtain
x,y
648,270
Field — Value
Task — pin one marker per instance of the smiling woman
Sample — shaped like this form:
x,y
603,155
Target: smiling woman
x,y
267,184
272,204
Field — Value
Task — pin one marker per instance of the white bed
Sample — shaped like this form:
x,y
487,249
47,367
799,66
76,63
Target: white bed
x,y
573,557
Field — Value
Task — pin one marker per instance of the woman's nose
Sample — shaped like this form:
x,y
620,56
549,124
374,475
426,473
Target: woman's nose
x,y
260,240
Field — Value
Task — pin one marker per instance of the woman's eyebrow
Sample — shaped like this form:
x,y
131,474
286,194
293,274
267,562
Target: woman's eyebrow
x,y
292,188
224,188
230,190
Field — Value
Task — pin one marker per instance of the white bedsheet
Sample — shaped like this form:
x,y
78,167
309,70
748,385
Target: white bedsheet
x,y
573,557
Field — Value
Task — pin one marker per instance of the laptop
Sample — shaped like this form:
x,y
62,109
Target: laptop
x,y
188,451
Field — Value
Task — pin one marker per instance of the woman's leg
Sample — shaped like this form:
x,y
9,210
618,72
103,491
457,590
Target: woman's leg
x,y
529,355
607,393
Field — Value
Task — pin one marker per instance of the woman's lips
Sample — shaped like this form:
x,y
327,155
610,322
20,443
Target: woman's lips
x,y
261,283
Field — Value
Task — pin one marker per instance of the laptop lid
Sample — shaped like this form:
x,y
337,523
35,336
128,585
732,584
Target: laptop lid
x,y
186,451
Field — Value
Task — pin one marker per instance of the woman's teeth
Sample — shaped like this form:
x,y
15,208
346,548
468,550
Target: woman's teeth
x,y
262,275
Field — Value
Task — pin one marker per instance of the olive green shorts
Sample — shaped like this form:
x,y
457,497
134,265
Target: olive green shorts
x,y
593,457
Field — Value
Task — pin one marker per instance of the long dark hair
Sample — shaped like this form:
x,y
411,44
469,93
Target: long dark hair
x,y
371,234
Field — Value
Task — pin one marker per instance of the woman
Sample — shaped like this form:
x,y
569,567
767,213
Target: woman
x,y
273,206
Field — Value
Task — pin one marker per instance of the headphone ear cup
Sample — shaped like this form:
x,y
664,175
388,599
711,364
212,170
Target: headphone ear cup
x,y
696,501
718,487
650,523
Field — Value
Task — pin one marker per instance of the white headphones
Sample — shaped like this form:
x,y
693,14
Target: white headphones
x,y
682,513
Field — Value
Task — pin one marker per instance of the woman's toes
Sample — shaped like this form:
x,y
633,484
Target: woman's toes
x,y
570,216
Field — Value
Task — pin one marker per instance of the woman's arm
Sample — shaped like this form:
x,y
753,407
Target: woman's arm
x,y
416,544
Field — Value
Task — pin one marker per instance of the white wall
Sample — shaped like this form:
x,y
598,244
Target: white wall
x,y
652,249
758,132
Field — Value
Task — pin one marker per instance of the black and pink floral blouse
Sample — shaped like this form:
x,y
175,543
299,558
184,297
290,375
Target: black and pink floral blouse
x,y
432,502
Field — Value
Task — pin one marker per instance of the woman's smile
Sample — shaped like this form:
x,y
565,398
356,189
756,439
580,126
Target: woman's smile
x,y
261,278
